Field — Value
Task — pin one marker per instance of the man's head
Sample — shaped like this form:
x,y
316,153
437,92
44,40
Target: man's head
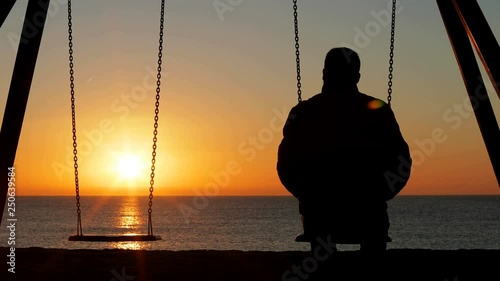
x,y
341,69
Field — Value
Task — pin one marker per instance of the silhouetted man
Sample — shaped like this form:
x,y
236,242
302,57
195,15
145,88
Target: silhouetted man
x,y
343,156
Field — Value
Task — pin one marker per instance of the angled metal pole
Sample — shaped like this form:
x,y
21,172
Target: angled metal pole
x,y
22,76
474,83
5,8
482,37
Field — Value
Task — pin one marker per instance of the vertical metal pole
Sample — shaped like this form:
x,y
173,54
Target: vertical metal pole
x,y
22,76
482,37
474,84
5,8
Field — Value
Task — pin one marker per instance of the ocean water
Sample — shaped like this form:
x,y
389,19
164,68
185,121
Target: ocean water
x,y
245,223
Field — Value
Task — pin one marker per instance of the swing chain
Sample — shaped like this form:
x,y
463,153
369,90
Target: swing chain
x,y
157,111
297,49
79,230
391,55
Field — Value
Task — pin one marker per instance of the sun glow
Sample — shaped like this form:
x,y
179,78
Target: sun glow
x,y
129,167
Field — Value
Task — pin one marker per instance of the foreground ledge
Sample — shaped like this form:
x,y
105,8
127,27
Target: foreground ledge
x,y
398,264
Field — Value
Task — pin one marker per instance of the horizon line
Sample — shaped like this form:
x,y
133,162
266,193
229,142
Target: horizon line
x,y
261,195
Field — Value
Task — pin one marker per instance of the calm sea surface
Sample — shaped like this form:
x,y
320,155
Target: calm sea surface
x,y
245,223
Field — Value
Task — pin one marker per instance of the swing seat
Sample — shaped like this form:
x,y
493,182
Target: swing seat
x,y
302,237
115,238
112,237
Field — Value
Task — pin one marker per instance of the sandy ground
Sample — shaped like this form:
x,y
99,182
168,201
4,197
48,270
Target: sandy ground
x,y
127,265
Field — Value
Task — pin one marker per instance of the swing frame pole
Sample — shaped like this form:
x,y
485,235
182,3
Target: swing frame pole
x,y
22,76
464,23
483,39
5,8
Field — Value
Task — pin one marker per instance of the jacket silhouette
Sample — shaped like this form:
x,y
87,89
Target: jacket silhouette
x,y
343,156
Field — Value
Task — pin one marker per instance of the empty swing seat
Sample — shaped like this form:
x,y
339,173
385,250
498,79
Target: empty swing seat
x,y
123,237
114,238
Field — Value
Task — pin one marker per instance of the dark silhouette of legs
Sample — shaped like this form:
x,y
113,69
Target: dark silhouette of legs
x,y
373,247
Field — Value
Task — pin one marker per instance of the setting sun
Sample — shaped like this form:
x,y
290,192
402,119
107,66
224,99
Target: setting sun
x,y
129,167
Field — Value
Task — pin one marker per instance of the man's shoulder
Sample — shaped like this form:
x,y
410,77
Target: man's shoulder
x,y
320,100
370,98
309,103
373,103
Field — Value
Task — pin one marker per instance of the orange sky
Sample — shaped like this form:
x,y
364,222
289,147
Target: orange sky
x,y
227,88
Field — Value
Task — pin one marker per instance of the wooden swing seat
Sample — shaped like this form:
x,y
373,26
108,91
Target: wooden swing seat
x,y
114,238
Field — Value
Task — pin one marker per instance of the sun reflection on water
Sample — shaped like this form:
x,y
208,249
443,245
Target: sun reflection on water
x,y
130,221
133,245
130,218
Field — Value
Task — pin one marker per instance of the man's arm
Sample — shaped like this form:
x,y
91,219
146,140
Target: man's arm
x,y
288,166
399,161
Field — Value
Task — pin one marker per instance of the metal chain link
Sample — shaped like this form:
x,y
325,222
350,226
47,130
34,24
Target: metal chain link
x,y
391,54
297,49
79,230
157,110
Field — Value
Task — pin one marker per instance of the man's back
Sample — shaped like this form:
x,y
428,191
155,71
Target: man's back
x,y
340,144
334,154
